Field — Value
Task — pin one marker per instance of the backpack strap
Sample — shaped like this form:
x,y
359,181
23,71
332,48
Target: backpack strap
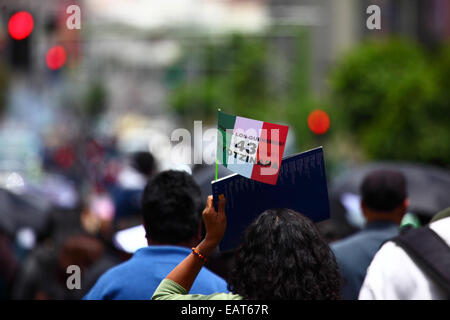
x,y
402,230
430,252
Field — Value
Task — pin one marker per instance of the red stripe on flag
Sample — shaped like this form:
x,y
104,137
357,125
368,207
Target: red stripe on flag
x,y
270,153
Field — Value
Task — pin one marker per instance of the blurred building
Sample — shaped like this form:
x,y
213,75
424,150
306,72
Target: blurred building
x,y
127,45
426,21
139,38
337,26
130,44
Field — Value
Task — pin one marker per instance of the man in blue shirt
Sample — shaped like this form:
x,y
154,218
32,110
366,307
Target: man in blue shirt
x,y
384,203
171,209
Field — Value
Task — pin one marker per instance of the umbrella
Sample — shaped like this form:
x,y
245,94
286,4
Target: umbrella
x,y
204,174
428,186
19,211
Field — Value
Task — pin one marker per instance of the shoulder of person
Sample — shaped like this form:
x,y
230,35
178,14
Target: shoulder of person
x,y
208,275
442,228
347,243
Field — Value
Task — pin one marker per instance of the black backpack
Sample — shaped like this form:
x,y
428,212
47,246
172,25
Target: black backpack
x,y
430,252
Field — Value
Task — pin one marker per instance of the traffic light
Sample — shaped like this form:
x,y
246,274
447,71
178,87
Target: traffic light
x,y
20,28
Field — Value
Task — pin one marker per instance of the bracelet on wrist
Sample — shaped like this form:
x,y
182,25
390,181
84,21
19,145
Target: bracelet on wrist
x,y
199,255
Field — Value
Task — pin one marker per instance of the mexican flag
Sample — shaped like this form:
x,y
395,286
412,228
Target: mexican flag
x,y
251,148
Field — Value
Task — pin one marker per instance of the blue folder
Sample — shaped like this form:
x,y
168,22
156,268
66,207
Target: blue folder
x,y
301,186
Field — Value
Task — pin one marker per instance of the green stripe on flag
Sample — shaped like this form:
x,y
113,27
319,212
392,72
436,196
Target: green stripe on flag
x,y
224,122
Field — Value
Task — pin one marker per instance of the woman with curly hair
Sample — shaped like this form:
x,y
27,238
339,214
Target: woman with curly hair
x,y
282,256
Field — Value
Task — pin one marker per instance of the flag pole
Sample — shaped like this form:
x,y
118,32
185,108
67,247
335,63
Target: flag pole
x,y
217,168
217,160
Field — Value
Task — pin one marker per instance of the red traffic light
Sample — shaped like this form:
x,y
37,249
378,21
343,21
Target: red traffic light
x,y
56,57
20,25
318,121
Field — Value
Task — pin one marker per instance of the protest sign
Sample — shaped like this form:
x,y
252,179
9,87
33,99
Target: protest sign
x,y
301,186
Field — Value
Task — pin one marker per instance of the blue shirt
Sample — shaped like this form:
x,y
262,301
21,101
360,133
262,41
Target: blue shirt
x,y
355,253
138,277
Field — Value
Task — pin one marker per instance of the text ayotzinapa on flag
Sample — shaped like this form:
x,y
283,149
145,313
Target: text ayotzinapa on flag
x,y
251,148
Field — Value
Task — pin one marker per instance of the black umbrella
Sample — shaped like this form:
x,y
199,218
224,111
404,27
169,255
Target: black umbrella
x,y
428,187
203,175
22,211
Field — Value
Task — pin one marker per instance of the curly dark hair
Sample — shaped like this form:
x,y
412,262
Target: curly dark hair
x,y
282,256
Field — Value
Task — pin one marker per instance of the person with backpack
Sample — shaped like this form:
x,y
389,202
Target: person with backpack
x,y
412,266
384,202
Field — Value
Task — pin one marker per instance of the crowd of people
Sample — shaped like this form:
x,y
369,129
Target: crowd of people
x,y
282,255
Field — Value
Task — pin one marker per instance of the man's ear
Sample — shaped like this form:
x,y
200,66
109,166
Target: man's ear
x,y
405,204
147,235
363,209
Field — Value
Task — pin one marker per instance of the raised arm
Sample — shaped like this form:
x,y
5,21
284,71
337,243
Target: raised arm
x,y
187,270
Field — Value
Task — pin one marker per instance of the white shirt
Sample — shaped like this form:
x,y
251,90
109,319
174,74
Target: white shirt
x,y
393,275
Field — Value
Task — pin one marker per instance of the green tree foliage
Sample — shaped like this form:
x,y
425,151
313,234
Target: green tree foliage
x,y
95,100
250,76
228,74
394,99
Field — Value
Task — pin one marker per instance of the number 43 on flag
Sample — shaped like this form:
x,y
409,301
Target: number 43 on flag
x,y
251,148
